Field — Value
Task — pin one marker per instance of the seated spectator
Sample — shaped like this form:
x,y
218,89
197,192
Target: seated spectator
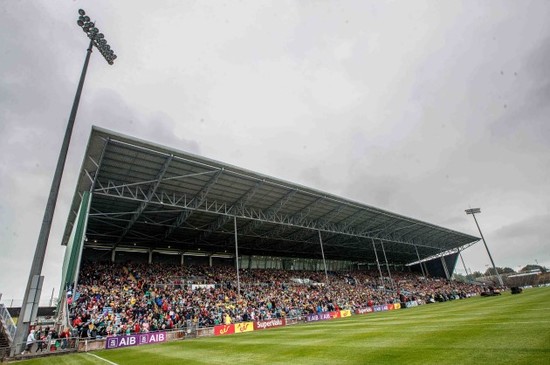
x,y
117,299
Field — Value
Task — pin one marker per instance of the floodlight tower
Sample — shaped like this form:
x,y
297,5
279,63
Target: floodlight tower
x,y
473,212
29,307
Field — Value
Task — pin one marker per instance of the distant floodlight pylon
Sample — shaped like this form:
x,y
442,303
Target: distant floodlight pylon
x,y
473,212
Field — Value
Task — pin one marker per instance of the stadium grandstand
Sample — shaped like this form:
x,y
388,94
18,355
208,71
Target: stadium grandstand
x,y
161,239
139,201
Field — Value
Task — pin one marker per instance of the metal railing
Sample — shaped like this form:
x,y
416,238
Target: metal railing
x,y
63,345
7,322
39,348
17,303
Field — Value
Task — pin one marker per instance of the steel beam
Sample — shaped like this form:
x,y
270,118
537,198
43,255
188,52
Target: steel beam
x,y
194,204
144,204
235,208
201,204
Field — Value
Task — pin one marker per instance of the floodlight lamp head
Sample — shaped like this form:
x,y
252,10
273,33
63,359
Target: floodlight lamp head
x,y
80,23
81,12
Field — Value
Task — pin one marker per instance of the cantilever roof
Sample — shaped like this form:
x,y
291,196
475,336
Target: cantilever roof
x,y
151,196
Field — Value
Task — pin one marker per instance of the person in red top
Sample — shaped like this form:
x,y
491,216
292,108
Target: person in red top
x,y
77,321
64,338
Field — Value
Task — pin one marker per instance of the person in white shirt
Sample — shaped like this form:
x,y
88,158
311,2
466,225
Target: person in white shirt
x,y
30,342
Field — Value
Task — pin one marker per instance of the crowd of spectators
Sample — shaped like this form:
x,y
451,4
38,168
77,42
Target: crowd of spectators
x,y
116,299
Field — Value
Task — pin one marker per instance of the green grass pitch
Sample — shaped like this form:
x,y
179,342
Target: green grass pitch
x,y
507,329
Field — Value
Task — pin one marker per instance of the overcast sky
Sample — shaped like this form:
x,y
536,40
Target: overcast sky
x,y
424,108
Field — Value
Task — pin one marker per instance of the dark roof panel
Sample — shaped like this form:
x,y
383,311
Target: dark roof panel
x,y
153,196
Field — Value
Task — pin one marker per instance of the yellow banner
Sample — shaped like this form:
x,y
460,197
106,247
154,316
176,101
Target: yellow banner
x,y
244,327
396,305
345,313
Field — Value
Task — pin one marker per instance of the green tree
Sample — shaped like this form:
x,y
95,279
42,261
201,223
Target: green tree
x,y
534,267
477,274
500,270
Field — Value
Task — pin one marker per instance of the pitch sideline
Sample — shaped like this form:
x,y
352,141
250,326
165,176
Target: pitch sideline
x,y
99,357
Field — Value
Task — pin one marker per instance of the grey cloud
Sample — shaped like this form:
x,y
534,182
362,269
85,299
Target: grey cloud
x,y
110,110
533,227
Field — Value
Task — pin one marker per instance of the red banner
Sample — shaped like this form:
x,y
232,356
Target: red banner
x,y
224,329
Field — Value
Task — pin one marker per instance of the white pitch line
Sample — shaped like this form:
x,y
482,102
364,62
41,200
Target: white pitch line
x,y
100,358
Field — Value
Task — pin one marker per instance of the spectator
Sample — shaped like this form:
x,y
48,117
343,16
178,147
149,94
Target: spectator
x,y
29,343
132,298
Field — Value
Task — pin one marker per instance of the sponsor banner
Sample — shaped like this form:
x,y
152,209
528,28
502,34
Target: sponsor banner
x,y
318,317
345,313
262,325
364,310
224,329
378,308
334,315
244,327
134,340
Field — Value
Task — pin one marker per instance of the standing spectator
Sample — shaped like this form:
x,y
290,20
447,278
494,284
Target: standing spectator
x,y
65,338
40,337
29,343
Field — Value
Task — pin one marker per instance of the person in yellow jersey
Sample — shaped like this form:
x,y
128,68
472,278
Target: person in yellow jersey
x,y
226,318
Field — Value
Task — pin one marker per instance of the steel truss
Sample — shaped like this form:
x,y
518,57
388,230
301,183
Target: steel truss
x,y
200,203
165,188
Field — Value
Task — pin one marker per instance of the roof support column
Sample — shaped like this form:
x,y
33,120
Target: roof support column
x,y
79,258
444,264
237,256
150,261
181,260
377,261
113,254
462,259
323,254
387,265
421,267
425,269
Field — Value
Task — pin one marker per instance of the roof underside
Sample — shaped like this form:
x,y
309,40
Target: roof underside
x,y
149,196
